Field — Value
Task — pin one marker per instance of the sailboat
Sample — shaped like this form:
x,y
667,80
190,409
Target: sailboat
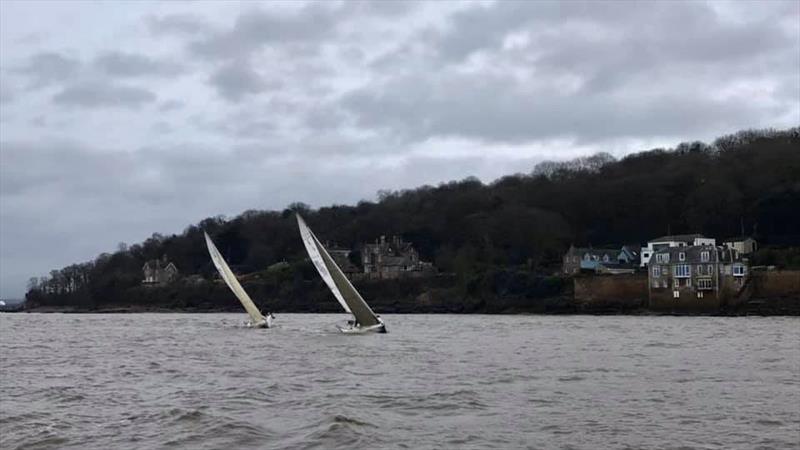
x,y
257,320
364,319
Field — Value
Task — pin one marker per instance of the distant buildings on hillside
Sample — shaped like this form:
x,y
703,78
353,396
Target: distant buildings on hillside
x,y
383,259
678,266
601,260
159,272
395,258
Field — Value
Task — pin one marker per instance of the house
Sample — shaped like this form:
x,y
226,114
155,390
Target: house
x,y
695,271
393,259
679,240
159,271
745,245
600,260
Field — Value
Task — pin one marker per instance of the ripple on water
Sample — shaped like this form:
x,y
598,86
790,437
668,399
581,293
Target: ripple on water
x,y
196,382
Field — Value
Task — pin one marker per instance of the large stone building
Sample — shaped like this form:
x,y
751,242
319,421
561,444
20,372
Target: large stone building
x,y
393,259
696,272
159,271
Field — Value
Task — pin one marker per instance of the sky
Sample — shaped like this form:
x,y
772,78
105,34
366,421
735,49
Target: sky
x,y
121,119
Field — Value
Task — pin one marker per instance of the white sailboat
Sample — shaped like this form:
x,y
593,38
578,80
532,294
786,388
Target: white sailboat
x,y
364,319
257,320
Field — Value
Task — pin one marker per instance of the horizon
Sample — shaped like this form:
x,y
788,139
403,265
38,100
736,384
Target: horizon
x,y
213,109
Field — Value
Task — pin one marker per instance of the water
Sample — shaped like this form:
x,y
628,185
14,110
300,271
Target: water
x,y
435,381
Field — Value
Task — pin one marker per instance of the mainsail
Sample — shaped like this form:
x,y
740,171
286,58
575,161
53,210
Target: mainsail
x,y
339,285
230,279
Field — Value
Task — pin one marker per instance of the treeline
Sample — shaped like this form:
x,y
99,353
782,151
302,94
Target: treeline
x,y
746,182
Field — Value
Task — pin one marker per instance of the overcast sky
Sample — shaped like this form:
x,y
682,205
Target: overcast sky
x,y
127,118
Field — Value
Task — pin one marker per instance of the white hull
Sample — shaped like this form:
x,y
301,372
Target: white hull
x,y
266,323
350,329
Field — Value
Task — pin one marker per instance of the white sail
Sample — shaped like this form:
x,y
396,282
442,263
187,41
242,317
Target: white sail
x,y
309,240
230,279
339,285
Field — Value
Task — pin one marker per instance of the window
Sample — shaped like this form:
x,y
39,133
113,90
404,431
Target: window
x,y
682,271
705,284
699,270
710,269
605,258
676,294
699,294
688,282
676,283
656,271
681,256
738,270
655,284
704,256
574,259
662,258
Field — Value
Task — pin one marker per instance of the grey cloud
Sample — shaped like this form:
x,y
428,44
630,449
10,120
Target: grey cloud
x,y
45,68
256,28
500,110
171,105
588,70
6,96
390,9
236,79
179,24
691,30
101,94
123,64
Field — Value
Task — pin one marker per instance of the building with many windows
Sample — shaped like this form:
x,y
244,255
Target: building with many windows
x,y
696,272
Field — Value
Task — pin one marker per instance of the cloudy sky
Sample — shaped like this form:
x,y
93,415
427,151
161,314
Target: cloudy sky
x,y
127,118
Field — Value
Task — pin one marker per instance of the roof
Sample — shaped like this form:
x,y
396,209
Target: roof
x,y
594,251
677,238
632,248
692,253
738,239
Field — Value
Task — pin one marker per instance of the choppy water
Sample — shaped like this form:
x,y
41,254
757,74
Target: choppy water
x,y
435,381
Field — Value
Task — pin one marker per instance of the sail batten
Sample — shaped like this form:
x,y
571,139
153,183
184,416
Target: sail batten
x,y
337,282
233,283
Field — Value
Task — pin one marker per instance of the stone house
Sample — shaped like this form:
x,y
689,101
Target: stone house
x,y
696,272
600,260
678,240
159,271
393,259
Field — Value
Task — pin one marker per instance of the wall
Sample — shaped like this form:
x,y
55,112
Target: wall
x,y
662,300
611,292
776,284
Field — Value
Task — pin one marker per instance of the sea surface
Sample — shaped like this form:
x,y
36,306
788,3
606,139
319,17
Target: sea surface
x,y
202,381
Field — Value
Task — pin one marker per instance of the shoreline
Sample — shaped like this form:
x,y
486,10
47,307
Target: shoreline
x,y
633,313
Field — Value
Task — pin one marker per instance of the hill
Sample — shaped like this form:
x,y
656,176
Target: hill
x,y
499,244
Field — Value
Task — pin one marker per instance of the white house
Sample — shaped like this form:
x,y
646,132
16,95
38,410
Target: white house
x,y
745,245
680,240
